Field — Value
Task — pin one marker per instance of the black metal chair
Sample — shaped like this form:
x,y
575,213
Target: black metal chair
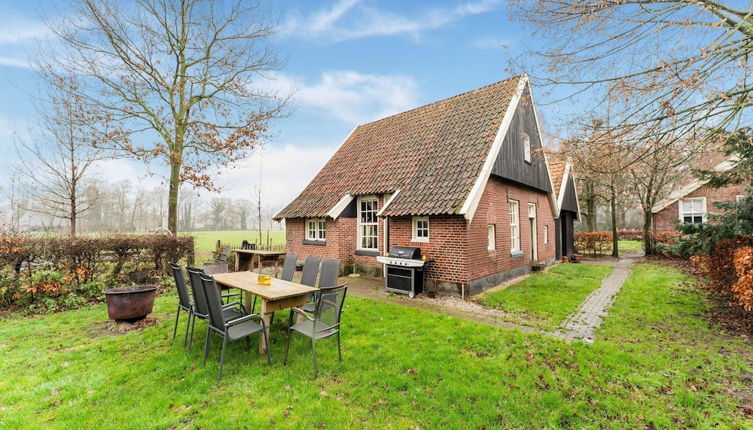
x,y
288,267
230,329
201,307
310,270
327,279
184,302
324,323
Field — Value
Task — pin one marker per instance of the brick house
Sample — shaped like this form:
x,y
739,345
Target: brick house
x,y
693,201
463,178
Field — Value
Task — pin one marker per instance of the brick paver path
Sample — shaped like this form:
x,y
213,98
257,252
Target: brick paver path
x,y
582,324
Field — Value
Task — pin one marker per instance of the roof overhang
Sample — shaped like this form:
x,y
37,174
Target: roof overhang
x,y
340,206
387,203
692,186
474,197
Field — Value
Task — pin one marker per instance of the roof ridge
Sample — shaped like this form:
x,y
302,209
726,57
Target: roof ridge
x,y
442,100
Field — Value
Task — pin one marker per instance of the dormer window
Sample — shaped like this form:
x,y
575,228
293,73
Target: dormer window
x,y
526,139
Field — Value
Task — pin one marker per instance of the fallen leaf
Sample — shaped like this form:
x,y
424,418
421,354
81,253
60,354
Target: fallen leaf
x,y
288,387
323,394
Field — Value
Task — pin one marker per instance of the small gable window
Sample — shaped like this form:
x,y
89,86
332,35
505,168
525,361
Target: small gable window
x,y
316,229
526,140
491,237
546,235
420,229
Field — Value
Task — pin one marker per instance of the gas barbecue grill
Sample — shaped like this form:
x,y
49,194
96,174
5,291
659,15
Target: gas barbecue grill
x,y
404,269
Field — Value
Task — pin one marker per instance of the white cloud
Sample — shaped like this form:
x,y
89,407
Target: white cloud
x,y
351,96
285,171
365,21
17,37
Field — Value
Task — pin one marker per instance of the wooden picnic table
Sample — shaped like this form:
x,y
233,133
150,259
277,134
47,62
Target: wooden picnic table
x,y
277,296
245,256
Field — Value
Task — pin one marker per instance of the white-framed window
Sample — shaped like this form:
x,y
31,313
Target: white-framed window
x,y
368,236
526,140
531,210
693,210
420,229
514,225
546,235
491,237
316,229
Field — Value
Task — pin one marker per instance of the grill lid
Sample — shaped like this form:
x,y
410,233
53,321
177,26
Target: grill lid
x,y
407,252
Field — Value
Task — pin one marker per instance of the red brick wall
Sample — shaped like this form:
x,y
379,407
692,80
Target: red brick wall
x,y
667,218
447,245
458,247
493,208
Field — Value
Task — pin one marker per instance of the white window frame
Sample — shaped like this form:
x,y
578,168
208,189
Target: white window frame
x,y
416,229
693,213
514,207
546,234
491,237
526,139
319,231
361,224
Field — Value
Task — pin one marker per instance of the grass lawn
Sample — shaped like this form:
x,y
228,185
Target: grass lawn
x,y
629,245
544,299
402,368
205,241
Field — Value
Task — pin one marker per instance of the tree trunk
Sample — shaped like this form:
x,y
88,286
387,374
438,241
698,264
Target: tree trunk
x,y
648,242
172,196
613,205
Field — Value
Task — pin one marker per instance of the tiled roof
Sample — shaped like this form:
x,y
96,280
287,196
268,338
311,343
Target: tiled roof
x,y
557,162
432,154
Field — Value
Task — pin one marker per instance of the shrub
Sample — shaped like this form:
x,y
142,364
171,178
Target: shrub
x,y
729,270
49,273
629,234
593,242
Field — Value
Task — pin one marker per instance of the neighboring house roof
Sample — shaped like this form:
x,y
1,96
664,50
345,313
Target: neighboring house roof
x,y
560,171
435,158
693,184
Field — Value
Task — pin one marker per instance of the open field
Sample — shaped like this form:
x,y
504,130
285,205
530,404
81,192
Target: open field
x,y
659,366
205,241
545,298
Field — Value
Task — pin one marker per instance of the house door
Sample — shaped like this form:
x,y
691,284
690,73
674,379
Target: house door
x,y
534,233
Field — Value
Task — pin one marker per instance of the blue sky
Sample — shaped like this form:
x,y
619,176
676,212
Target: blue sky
x,y
351,61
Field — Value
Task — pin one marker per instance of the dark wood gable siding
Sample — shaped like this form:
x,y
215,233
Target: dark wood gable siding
x,y
510,162
569,202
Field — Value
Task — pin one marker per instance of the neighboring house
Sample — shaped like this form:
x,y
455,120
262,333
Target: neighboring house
x,y
563,180
464,179
693,201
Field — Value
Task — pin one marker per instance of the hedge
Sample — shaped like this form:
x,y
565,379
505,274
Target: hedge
x,y
729,270
52,268
600,242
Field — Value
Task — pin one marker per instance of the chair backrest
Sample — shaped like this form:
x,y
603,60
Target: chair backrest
x,y
310,270
330,270
329,306
223,254
180,284
288,268
212,293
199,298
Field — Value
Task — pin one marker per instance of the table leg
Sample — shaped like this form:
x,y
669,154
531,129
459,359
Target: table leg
x,y
247,301
267,317
237,262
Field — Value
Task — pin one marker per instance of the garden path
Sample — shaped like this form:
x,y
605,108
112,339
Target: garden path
x,y
582,324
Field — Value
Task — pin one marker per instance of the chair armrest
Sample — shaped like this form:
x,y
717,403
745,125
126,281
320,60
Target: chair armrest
x,y
245,318
233,305
301,312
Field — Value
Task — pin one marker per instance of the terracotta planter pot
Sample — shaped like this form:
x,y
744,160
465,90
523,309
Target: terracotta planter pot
x,y
130,303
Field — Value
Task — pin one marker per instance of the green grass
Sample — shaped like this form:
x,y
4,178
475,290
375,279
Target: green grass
x,y
545,298
402,368
206,241
629,245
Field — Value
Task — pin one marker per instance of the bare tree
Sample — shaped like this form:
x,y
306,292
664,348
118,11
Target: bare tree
x,y
655,175
670,66
56,161
180,77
